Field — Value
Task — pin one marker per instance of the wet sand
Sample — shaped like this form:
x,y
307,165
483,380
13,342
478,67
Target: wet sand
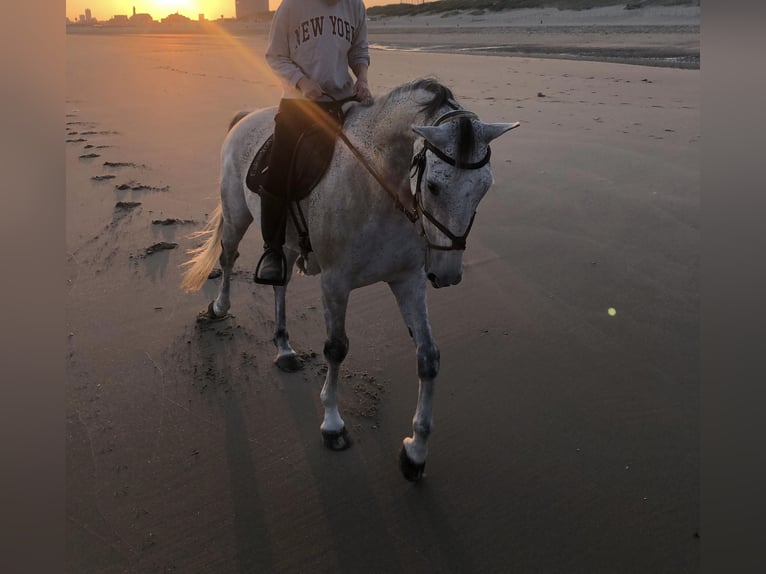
x,y
566,438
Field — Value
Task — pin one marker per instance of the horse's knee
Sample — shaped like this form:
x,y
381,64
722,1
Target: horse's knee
x,y
428,362
335,349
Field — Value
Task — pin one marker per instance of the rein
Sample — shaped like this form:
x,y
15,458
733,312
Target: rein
x,y
412,214
419,167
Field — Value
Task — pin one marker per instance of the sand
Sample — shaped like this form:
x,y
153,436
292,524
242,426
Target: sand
x,y
566,438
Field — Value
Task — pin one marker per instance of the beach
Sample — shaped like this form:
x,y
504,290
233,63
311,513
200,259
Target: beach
x,y
566,412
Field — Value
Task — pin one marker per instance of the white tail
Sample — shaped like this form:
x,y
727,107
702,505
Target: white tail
x,y
206,255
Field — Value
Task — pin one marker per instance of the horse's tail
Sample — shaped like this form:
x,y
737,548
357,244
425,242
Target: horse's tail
x,y
204,256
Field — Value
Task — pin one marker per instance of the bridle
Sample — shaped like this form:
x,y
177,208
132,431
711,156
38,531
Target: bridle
x,y
418,169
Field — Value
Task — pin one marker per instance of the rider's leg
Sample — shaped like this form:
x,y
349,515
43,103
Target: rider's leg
x,y
274,199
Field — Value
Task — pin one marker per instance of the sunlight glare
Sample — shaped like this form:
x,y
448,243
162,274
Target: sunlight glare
x,y
170,6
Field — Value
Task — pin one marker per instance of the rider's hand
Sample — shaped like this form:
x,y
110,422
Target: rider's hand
x,y
362,91
310,88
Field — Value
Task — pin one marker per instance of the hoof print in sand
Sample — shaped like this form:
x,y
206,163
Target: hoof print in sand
x,y
102,177
135,186
126,204
171,221
121,164
99,133
89,155
161,246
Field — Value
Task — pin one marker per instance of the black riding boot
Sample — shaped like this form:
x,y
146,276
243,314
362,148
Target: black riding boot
x,y
272,267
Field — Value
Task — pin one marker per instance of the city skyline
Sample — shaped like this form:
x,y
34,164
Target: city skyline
x,y
103,10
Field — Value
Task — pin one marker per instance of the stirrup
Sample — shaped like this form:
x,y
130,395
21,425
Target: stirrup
x,y
276,282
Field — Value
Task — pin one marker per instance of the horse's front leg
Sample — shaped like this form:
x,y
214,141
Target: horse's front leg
x,y
287,359
411,296
335,301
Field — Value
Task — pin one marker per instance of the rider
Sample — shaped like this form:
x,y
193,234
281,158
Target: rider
x,y
312,45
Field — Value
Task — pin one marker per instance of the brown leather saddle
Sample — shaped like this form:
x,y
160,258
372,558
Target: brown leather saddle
x,y
310,160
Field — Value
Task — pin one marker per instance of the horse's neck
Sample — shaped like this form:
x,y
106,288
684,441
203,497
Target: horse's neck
x,y
397,116
388,127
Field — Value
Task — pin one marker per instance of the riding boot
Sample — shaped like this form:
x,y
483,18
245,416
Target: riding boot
x,y
272,267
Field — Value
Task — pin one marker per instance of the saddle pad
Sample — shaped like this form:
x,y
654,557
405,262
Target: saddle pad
x,y
310,162
256,175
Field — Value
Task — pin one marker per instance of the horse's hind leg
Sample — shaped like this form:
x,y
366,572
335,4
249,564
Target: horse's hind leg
x,y
287,359
411,296
232,235
335,300
236,220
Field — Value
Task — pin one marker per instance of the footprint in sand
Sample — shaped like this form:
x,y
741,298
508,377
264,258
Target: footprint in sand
x,y
126,205
135,186
172,221
99,133
161,246
123,164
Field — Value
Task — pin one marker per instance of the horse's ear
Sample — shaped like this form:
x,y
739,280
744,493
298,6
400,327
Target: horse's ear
x,y
438,136
493,131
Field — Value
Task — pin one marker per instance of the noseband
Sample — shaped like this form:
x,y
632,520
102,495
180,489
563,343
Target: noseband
x,y
418,168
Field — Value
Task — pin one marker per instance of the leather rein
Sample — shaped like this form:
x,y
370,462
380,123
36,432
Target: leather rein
x,y
418,168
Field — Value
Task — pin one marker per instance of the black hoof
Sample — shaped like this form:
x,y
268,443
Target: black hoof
x,y
208,315
289,363
336,440
411,471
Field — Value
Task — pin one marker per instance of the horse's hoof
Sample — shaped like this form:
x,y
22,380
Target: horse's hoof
x,y
411,471
336,440
289,363
208,315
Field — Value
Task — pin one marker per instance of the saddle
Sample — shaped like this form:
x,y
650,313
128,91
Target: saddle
x,y
310,160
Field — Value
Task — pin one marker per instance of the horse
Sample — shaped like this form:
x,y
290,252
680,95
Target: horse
x,y
395,204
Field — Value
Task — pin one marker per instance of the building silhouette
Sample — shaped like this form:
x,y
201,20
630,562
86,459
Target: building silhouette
x,y
251,8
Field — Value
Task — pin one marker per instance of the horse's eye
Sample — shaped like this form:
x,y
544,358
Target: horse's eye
x,y
433,188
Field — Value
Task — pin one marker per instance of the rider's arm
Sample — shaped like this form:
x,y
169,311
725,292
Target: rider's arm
x,y
278,50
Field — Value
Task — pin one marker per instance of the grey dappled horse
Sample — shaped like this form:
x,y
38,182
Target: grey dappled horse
x,y
395,205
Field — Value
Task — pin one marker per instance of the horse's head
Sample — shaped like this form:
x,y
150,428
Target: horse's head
x,y
450,176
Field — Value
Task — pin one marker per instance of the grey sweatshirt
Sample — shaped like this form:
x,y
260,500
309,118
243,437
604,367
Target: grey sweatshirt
x,y
321,40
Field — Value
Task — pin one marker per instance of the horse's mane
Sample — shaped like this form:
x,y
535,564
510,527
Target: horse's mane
x,y
441,96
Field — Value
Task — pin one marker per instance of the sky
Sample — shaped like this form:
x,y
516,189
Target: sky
x,y
212,9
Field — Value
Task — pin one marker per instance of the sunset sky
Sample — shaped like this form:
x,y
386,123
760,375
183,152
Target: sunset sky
x,y
105,9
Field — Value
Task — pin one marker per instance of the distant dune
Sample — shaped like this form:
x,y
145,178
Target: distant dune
x,y
499,5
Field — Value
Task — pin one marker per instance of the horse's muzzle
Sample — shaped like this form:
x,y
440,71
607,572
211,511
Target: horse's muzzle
x,y
448,281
